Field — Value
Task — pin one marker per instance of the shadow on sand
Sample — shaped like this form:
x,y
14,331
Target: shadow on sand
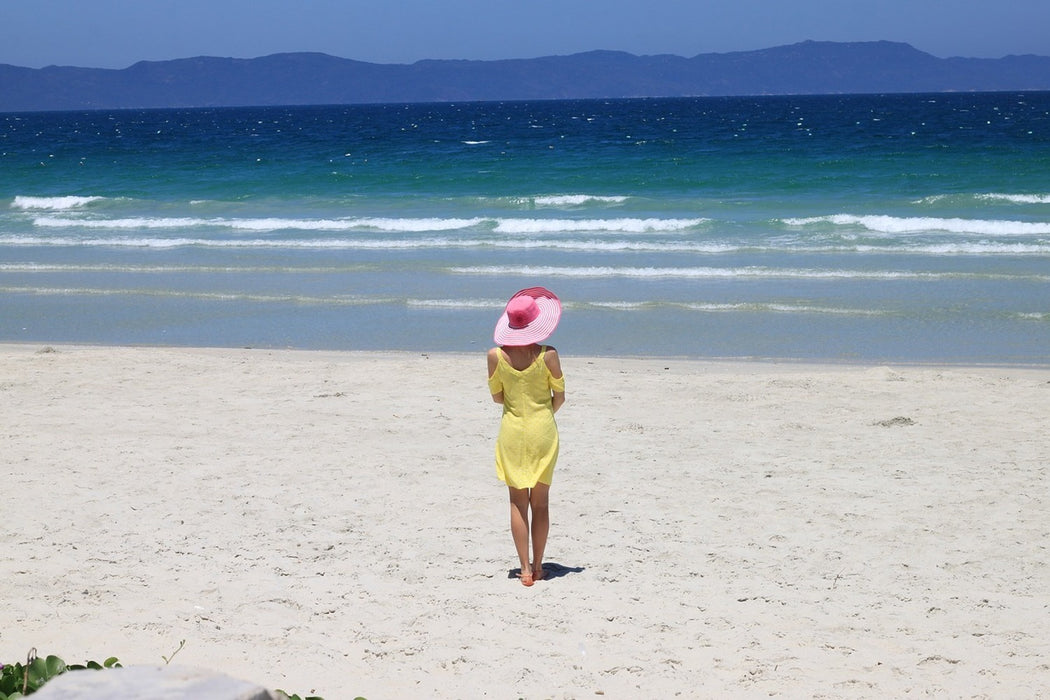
x,y
551,571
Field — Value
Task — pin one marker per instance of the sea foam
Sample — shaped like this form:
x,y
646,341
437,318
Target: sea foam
x,y
52,203
575,200
705,272
395,225
627,225
998,197
923,224
1017,198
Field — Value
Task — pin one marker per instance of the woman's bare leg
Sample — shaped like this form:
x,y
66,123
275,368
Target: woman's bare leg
x,y
539,499
519,529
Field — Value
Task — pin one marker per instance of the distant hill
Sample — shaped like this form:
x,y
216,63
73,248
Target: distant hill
x,y
311,78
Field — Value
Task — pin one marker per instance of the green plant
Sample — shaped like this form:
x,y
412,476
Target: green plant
x,y
111,662
167,659
18,680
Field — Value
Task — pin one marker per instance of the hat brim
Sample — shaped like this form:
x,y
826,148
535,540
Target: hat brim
x,y
539,329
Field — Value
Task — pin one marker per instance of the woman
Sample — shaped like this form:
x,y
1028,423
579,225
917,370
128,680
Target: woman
x,y
527,379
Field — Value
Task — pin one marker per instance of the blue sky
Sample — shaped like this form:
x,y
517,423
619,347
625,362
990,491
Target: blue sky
x,y
117,33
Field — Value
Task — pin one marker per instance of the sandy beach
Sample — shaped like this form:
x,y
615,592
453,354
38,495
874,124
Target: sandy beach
x,y
331,523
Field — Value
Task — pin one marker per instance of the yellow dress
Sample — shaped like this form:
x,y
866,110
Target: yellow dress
x,y
527,447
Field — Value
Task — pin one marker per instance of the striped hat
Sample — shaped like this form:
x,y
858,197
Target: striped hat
x,y
530,317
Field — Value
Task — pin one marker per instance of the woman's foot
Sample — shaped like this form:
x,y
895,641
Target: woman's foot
x,y
538,574
526,577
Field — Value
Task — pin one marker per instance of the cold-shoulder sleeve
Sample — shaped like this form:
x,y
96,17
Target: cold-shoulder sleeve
x,y
495,383
558,384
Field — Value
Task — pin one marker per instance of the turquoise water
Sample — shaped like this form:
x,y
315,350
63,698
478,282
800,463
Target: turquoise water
x,y
871,228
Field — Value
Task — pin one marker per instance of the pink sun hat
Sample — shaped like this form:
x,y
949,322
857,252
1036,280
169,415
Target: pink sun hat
x,y
530,317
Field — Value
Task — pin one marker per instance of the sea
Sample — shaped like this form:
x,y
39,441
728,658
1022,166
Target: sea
x,y
846,228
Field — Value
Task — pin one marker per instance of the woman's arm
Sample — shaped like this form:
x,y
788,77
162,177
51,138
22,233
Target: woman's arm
x,y
554,365
493,359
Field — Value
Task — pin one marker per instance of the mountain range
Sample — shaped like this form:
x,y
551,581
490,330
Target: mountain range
x,y
809,67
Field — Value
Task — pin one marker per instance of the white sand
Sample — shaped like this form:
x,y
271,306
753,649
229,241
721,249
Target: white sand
x,y
331,523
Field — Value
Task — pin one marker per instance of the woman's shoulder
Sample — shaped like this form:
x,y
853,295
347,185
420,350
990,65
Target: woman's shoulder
x,y
493,359
552,360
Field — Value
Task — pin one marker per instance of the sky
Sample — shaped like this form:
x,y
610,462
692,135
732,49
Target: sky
x,y
119,33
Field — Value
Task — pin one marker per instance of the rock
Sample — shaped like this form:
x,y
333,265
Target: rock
x,y
151,683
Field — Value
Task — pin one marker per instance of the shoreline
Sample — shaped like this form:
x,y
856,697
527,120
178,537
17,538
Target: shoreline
x,y
329,522
697,359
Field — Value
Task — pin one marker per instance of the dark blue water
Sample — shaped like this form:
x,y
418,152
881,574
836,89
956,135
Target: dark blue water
x,y
872,228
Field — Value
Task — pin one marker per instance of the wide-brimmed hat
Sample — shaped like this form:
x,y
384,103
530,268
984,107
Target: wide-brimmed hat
x,y
530,317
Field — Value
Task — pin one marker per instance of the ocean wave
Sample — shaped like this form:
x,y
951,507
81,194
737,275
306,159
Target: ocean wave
x,y
456,303
552,271
626,225
924,224
471,304
543,227
437,304
183,269
52,203
1016,198
261,225
985,197
725,272
782,308
401,225
340,300
376,224
581,245
567,201
575,200
961,249
430,242
644,306
137,242
180,242
129,223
